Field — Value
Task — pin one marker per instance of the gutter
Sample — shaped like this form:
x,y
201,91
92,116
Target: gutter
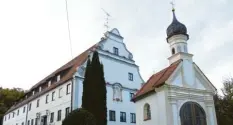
x,y
72,92
26,115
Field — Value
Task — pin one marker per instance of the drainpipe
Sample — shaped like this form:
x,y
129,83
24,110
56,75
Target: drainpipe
x,y
26,114
72,92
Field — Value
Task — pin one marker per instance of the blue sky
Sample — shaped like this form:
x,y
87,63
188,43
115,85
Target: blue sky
x,y
34,38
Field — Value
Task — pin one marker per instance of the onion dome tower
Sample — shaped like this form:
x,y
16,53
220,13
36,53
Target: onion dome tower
x,y
177,37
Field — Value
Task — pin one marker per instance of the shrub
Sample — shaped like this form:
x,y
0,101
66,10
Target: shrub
x,y
79,117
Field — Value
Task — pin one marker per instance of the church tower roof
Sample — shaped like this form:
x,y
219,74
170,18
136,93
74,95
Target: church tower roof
x,y
176,27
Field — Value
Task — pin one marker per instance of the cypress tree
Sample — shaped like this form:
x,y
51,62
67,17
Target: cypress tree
x,y
86,86
94,85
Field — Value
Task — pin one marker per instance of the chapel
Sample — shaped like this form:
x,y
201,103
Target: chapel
x,y
180,94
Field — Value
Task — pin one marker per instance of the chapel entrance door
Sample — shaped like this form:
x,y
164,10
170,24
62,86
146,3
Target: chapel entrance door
x,y
191,113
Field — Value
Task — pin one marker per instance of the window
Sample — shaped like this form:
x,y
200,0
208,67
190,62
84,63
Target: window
x,y
67,111
147,113
131,95
38,103
185,49
13,114
9,116
22,123
24,109
32,121
122,117
46,100
36,121
68,89
179,49
115,51
60,92
17,113
130,76
59,115
52,117
173,51
16,123
30,106
5,118
28,122
132,117
53,94
112,115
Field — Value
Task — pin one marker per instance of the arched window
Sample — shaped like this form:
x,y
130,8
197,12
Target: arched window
x,y
147,112
178,49
173,51
185,49
192,113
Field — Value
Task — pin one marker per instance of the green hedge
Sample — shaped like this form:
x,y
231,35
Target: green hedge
x,y
79,117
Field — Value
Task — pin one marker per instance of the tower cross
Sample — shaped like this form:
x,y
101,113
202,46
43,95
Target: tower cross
x,y
173,5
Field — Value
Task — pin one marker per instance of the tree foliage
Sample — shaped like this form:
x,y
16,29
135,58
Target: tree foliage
x,y
79,117
8,98
224,104
94,90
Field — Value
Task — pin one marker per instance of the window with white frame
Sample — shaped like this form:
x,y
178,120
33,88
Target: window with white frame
x,y
112,115
68,89
59,115
52,117
67,111
29,107
132,117
32,121
60,93
47,98
130,76
122,117
115,51
131,95
24,109
38,103
53,96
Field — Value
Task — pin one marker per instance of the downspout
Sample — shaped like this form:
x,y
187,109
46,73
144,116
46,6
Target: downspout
x,y
26,115
72,92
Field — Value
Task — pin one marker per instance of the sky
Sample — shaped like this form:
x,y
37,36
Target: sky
x,y
34,37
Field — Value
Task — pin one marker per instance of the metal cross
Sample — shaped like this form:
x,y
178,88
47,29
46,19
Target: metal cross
x,y
173,4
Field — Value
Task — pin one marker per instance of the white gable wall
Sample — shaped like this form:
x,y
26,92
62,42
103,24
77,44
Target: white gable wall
x,y
116,70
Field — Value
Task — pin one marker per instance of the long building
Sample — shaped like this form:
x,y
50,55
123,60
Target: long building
x,y
49,101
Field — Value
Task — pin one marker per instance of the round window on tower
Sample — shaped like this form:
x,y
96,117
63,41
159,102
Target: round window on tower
x,y
173,51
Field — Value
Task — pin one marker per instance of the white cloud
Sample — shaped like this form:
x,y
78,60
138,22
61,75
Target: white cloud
x,y
34,38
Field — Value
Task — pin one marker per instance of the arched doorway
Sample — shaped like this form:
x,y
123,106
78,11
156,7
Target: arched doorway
x,y
191,113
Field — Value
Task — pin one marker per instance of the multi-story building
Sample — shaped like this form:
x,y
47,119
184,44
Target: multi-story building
x,y
50,100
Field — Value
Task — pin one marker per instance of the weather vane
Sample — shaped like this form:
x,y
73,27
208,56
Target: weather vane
x,y
107,19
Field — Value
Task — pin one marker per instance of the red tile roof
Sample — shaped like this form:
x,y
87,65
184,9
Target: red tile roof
x,y
156,80
71,66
